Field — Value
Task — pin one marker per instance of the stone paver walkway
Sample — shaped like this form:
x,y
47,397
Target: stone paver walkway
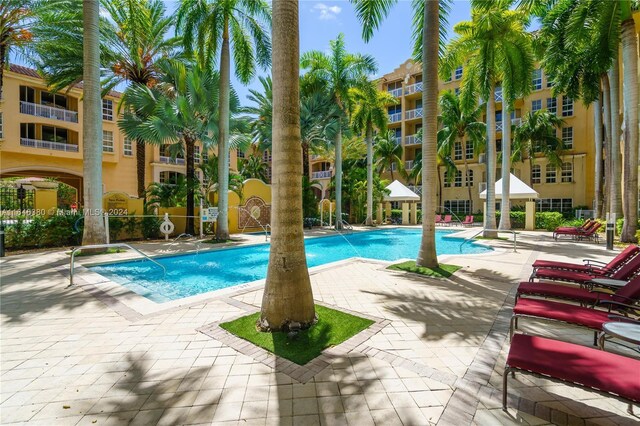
x,y
73,356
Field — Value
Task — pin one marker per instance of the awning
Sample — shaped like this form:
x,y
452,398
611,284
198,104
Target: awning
x,y
399,192
518,190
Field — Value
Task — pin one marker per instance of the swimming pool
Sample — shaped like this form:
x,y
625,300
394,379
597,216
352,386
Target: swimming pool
x,y
192,274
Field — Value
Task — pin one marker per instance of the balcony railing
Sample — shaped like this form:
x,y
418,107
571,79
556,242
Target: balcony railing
x,y
416,188
514,121
413,88
57,146
413,113
394,118
412,140
408,165
48,112
398,140
498,94
169,160
326,174
396,92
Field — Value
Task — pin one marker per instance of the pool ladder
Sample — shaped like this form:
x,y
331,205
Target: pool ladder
x,y
466,240
97,246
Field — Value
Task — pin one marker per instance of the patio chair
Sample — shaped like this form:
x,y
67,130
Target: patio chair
x,y
629,293
582,227
438,218
468,221
625,272
605,372
590,232
447,220
591,266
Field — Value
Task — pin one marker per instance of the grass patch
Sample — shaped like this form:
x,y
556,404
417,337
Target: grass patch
x,y
333,327
93,252
442,271
216,241
494,238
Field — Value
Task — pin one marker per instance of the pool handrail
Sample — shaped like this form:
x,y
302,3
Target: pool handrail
x,y
97,246
466,240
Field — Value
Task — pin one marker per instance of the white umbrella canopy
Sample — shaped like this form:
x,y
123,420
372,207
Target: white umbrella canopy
x,y
518,190
399,192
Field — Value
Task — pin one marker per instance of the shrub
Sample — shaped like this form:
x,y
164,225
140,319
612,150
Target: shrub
x,y
39,232
548,220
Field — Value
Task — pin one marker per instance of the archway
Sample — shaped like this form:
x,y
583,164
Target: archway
x,y
71,179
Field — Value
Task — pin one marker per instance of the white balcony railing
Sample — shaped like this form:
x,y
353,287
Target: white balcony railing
x,y
394,118
514,121
498,94
408,165
416,188
326,174
413,113
498,126
413,88
38,110
398,140
169,160
396,93
57,146
412,140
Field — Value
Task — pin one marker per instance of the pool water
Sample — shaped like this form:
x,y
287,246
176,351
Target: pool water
x,y
191,274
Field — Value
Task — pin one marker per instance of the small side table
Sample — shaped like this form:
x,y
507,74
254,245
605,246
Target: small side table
x,y
608,282
627,331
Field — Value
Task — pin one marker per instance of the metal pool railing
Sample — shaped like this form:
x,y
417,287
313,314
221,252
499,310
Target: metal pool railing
x,y
493,230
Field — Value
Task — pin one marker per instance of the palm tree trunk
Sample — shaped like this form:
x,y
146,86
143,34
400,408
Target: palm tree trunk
x,y
141,166
608,175
3,57
338,166
222,228
369,138
505,202
94,230
466,175
614,97
597,119
630,165
490,211
439,190
391,163
427,255
190,160
287,294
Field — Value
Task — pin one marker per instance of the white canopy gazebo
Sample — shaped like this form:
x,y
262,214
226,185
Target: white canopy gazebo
x,y
408,199
518,190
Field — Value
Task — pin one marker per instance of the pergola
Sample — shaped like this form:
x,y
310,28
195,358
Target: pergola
x,y
407,198
518,190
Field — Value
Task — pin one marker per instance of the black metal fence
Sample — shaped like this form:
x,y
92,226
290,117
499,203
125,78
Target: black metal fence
x,y
16,198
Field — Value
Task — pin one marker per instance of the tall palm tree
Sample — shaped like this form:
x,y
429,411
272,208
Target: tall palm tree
x,y
370,112
488,46
254,168
387,153
209,169
261,113
537,133
287,295
94,230
210,27
340,71
461,124
15,21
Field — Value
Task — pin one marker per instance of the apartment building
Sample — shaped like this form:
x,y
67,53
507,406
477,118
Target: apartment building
x,y
41,136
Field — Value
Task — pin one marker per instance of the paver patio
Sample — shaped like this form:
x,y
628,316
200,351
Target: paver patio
x,y
82,355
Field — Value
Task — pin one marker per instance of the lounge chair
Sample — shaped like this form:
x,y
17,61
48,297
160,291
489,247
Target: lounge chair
x,y
468,221
582,227
590,232
625,272
630,293
438,218
591,266
447,220
605,372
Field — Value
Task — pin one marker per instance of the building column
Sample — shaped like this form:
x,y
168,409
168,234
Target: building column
x,y
413,218
530,216
379,216
405,213
388,209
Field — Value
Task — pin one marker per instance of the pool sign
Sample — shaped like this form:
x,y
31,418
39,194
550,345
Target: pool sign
x,y
209,214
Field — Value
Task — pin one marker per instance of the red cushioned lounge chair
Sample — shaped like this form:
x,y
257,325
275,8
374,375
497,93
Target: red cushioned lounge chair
x,y
468,221
582,227
591,266
605,372
629,294
438,218
590,232
625,273
447,220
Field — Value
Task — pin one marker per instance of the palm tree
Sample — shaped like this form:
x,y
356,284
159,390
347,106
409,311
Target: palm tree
x,y
287,295
261,112
537,134
209,169
254,168
15,21
460,124
133,39
387,153
209,27
168,194
94,230
370,111
489,46
339,71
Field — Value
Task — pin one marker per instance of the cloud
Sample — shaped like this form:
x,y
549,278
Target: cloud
x,y
327,12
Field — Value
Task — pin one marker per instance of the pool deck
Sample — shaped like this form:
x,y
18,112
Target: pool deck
x,y
96,354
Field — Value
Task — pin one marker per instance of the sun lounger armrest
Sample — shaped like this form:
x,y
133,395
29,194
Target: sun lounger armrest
x,y
612,304
589,262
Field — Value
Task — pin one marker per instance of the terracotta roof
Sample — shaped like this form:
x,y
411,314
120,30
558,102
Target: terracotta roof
x,y
30,72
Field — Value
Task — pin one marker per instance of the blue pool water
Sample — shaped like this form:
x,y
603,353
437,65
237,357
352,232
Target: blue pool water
x,y
192,274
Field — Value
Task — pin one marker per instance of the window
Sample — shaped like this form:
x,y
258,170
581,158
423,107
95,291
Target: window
x,y
554,204
469,181
394,109
551,173
196,153
266,155
55,134
27,94
567,137
457,151
170,178
549,82
537,79
567,106
458,180
27,131
552,105
469,150
107,141
536,105
567,172
447,182
458,206
1,127
53,100
456,91
107,109
240,153
499,145
205,156
127,147
536,174
458,73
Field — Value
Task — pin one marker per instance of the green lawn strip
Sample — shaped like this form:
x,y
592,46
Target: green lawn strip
x,y
333,327
92,252
442,271
491,238
216,241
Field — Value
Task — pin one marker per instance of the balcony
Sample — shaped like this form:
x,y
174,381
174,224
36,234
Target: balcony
x,y
169,160
38,110
412,140
514,121
326,174
396,93
413,88
56,146
398,140
394,118
413,113
498,94
408,165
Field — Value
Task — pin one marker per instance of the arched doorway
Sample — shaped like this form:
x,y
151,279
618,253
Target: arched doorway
x,y
71,179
